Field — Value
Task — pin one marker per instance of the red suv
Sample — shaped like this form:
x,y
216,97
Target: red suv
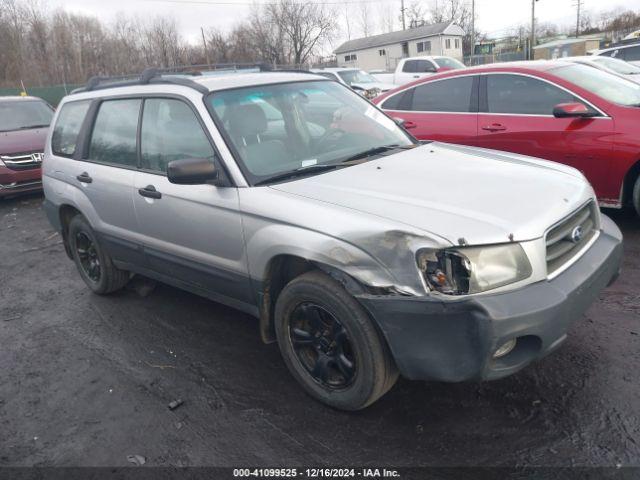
x,y
24,122
569,113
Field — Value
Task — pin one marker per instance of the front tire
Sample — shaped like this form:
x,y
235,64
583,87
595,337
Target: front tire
x,y
636,195
93,261
330,345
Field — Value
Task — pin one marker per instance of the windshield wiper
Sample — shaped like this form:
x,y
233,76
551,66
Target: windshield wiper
x,y
377,151
298,172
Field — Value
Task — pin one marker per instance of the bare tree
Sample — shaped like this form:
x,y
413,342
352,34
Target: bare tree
x,y
386,14
304,26
415,14
365,19
43,47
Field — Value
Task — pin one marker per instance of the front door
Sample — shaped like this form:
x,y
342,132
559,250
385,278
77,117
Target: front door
x,y
192,234
517,116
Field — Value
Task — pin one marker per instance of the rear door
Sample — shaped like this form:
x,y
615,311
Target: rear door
x,y
516,115
443,110
192,234
100,160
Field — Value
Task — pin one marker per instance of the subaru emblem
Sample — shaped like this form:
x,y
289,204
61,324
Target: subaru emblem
x,y
576,234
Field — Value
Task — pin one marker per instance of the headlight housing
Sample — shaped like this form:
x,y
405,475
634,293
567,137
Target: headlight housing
x,y
371,93
468,270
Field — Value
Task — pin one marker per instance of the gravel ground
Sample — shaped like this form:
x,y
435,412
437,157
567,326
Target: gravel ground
x,y
86,380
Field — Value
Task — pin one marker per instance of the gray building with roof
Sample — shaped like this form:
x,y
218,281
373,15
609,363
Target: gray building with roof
x,y
382,52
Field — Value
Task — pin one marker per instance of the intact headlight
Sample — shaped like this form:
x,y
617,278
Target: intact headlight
x,y
467,270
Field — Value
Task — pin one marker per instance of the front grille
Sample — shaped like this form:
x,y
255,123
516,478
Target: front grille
x,y
566,239
22,161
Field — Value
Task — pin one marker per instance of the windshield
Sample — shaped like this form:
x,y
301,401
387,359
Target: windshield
x,y
603,84
618,66
447,62
24,114
286,127
356,76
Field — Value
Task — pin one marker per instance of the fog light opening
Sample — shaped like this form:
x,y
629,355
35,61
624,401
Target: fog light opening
x,y
505,348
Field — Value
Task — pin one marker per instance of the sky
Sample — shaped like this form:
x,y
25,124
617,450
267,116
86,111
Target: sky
x,y
494,17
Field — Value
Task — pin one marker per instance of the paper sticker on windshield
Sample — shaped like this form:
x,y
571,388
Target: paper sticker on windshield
x,y
308,163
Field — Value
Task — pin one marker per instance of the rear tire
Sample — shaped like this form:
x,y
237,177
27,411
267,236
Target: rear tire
x,y
345,363
93,261
636,195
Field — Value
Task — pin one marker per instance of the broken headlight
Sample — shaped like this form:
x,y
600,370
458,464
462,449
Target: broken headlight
x,y
467,270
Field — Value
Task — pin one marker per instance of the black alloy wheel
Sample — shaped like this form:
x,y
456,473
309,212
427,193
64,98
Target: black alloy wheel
x,y
322,346
88,256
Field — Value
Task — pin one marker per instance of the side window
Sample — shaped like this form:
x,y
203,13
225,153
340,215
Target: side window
x,y
453,95
424,66
170,131
65,134
632,54
612,53
517,94
396,102
114,132
410,66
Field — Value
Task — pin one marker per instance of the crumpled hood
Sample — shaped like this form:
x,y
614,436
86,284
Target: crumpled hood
x,y
455,192
23,141
383,87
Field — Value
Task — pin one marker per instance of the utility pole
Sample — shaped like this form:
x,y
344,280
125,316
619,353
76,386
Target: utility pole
x,y
404,25
473,27
532,42
578,4
206,50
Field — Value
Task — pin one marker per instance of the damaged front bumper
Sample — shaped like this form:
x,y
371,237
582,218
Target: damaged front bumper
x,y
454,339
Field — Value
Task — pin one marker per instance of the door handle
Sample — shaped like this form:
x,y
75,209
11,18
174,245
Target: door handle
x,y
150,192
494,127
416,76
84,178
408,124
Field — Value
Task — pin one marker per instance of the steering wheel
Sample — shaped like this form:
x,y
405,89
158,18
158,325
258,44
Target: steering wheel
x,y
329,139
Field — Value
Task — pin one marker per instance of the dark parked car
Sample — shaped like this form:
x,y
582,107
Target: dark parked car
x,y
24,122
569,113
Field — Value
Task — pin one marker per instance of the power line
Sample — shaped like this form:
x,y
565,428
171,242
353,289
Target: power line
x,y
252,3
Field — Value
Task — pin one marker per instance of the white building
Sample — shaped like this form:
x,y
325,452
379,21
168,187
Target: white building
x,y
382,52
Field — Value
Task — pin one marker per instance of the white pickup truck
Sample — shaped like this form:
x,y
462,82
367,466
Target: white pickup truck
x,y
413,68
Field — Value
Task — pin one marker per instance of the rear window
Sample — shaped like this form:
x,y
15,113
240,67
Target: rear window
x,y
447,62
65,134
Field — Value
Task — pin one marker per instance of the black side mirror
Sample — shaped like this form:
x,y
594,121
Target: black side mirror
x,y
191,171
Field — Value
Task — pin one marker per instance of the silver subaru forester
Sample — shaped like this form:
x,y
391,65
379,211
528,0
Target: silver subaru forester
x,y
364,253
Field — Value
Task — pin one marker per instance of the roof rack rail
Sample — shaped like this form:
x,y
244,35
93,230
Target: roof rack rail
x,y
175,76
149,75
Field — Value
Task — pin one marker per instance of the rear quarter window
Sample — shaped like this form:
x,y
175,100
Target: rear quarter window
x,y
64,138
